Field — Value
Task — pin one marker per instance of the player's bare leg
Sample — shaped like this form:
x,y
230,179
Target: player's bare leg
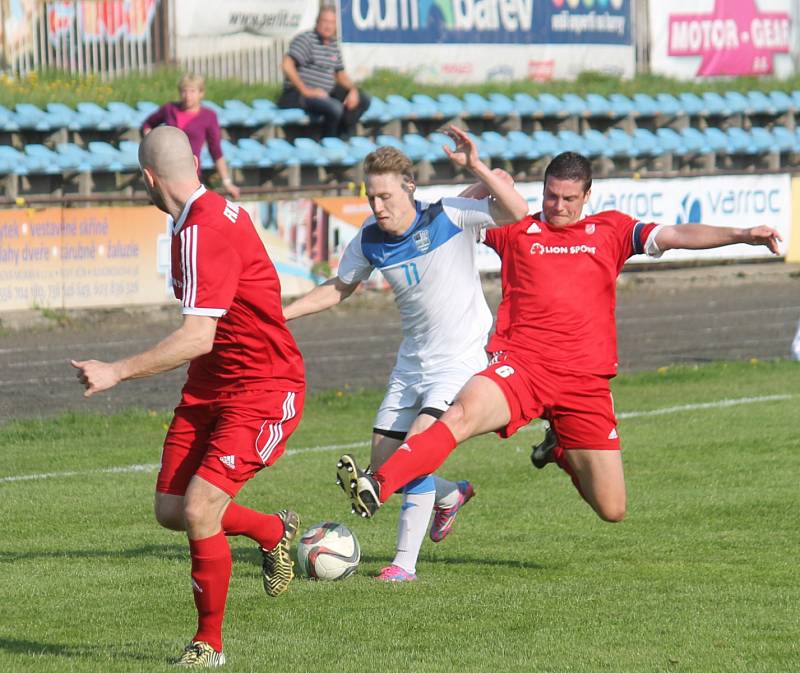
x,y
602,481
479,408
169,511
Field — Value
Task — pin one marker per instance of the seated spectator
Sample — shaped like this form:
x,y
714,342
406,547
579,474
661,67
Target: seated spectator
x,y
197,122
316,80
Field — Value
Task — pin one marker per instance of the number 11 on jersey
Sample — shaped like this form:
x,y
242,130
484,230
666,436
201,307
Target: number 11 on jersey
x,y
412,275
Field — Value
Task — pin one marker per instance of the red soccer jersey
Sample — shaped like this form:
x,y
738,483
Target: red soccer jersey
x,y
221,269
559,288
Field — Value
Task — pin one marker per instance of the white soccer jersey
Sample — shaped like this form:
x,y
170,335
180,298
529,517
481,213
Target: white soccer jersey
x,y
433,273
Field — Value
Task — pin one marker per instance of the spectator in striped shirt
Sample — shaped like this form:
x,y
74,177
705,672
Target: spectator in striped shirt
x,y
317,82
198,122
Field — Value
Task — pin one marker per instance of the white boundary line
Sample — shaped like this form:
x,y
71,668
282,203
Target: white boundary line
x,y
152,467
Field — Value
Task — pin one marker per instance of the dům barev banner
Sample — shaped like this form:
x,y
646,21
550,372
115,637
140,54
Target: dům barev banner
x,y
722,38
476,40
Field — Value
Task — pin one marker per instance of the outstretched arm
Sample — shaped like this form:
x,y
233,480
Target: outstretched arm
x,y
195,337
702,236
330,293
508,205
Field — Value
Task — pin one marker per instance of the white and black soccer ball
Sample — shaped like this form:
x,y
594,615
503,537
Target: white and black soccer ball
x,y
328,551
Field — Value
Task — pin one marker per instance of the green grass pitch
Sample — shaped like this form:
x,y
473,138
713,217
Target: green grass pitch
x,y
702,577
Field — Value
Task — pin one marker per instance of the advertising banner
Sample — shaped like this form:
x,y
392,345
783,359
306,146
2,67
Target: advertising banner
x,y
721,38
728,201
475,40
272,18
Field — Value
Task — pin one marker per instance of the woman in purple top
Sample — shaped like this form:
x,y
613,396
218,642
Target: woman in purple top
x,y
197,122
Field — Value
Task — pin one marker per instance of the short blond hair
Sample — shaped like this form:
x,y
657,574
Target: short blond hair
x,y
389,160
192,79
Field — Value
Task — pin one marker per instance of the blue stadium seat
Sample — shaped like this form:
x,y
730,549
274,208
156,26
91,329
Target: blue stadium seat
x,y
785,140
596,143
231,154
523,146
309,152
695,141
569,141
599,106
145,108
782,102
94,117
42,159
253,153
526,106
621,144
476,105
552,106
360,147
575,105
718,140
647,143
64,117
129,154
739,141
716,104
124,115
737,102
646,106
28,116
74,157
546,143
386,140
670,141
692,104
425,107
668,105
337,151
449,105
378,111
12,161
502,105
108,156
497,146
431,148
401,107
762,140
8,121
240,114
760,103
281,152
622,106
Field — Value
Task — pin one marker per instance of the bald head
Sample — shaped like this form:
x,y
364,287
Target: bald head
x,y
166,152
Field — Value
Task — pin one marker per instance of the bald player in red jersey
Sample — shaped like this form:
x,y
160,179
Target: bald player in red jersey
x,y
557,337
244,390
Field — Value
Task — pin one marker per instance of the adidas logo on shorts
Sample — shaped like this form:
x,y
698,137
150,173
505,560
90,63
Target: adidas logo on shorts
x,y
229,462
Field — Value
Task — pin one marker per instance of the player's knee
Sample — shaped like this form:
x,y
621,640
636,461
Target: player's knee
x,y
168,517
612,512
197,514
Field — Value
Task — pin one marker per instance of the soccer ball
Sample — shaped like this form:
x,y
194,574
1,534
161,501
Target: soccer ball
x,y
328,551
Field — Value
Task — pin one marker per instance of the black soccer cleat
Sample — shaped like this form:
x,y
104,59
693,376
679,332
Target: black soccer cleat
x,y
542,453
360,486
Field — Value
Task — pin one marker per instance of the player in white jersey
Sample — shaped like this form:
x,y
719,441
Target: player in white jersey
x,y
426,252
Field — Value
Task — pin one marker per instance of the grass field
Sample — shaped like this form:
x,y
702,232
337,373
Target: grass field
x,y
703,575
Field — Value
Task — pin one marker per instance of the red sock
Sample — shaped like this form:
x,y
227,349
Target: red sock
x,y
266,529
211,573
420,455
561,460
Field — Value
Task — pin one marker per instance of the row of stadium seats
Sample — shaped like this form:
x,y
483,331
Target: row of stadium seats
x,y
446,107
306,161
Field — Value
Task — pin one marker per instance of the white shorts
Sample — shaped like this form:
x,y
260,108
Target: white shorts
x,y
409,392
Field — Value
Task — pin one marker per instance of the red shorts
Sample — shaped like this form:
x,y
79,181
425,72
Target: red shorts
x,y
579,406
226,438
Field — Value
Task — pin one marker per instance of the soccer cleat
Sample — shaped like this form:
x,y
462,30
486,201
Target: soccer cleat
x,y
395,573
362,489
542,453
276,564
444,517
199,654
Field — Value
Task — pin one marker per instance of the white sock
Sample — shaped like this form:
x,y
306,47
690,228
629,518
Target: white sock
x,y
446,492
415,515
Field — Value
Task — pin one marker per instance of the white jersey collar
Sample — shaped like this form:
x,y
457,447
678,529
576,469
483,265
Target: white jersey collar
x,y
187,207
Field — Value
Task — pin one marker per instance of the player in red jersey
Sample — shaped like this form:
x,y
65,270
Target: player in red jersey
x,y
557,337
244,390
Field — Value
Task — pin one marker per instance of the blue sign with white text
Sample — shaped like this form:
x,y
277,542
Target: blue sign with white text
x,y
486,21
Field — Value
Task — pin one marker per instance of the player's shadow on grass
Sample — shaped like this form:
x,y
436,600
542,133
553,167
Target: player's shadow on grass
x,y
94,652
161,551
464,560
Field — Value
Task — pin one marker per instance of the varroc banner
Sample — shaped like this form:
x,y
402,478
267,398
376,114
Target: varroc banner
x,y
721,38
473,40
